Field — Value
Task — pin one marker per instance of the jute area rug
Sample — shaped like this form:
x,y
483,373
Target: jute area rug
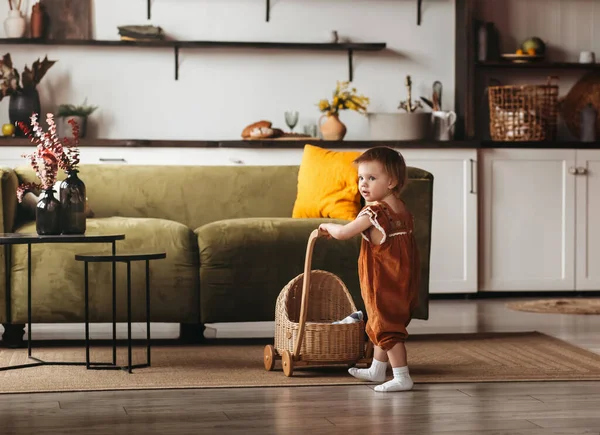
x,y
439,358
559,306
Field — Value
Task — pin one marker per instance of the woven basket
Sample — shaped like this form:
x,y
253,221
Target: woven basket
x,y
323,341
523,113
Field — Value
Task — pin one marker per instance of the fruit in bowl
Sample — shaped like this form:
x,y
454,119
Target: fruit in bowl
x,y
534,46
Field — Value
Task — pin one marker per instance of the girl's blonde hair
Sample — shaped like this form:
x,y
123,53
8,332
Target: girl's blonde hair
x,y
392,161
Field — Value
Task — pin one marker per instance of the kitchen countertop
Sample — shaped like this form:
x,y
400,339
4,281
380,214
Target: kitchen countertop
x,y
281,143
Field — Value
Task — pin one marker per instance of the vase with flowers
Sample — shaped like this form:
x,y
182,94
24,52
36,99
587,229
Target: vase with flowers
x,y
22,89
54,216
343,99
15,24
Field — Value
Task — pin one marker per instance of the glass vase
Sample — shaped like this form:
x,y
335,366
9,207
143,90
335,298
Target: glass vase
x,y
47,214
73,204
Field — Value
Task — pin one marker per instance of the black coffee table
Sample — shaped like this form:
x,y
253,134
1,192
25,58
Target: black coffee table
x,y
127,259
9,239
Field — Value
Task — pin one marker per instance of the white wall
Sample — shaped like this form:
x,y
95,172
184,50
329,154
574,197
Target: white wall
x,y
220,91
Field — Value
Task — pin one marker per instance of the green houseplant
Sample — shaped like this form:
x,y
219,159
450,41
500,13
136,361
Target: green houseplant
x,y
79,114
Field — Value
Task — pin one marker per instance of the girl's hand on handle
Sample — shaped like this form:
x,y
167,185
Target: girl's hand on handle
x,y
322,231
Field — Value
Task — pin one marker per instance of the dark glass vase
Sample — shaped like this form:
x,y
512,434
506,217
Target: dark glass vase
x,y
47,214
21,106
72,202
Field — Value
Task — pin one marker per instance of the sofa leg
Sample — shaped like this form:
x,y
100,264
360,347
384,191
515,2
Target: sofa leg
x,y
191,333
13,335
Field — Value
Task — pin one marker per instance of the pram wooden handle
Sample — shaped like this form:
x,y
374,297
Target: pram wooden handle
x,y
305,288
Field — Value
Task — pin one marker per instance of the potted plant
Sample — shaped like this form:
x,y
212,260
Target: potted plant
x,y
70,112
410,125
22,89
343,99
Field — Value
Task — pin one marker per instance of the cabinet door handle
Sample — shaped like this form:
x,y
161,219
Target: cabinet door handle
x,y
573,170
581,171
472,175
111,160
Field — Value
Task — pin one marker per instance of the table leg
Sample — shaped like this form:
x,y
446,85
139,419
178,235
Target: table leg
x,y
7,265
29,300
114,303
87,315
129,314
148,311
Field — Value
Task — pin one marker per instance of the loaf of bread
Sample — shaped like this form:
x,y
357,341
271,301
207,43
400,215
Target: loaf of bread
x,y
258,129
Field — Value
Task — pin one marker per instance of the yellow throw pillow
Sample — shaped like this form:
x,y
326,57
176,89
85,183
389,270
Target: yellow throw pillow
x,y
327,185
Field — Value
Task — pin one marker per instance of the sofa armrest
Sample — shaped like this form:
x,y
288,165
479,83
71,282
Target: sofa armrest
x,y
8,210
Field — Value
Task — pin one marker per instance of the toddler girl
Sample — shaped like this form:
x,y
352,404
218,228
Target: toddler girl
x,y
388,264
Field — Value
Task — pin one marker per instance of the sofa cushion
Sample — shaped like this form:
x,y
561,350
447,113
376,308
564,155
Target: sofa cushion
x,y
244,264
58,280
327,185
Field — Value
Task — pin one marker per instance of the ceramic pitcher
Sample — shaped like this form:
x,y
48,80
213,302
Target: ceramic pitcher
x,y
443,124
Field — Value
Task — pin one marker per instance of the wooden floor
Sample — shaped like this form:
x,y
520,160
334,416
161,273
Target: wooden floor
x,y
493,408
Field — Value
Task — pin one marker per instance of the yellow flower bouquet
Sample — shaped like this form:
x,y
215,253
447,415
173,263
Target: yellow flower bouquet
x,y
344,99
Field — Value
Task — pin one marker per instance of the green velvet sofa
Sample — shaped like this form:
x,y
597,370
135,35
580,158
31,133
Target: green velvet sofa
x,y
230,241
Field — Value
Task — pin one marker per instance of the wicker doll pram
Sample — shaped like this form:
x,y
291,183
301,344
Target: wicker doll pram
x,y
304,312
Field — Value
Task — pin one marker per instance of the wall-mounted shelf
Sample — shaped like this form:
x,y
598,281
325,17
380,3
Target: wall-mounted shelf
x,y
350,48
538,65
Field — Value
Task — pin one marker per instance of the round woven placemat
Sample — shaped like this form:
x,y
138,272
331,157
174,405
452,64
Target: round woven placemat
x,y
561,306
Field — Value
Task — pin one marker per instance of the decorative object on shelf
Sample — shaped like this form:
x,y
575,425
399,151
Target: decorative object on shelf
x,y
588,123
522,58
37,21
587,57
443,124
487,42
141,33
583,93
531,50
15,24
334,37
50,155
291,119
407,104
24,99
8,130
411,125
68,19
343,99
70,112
523,113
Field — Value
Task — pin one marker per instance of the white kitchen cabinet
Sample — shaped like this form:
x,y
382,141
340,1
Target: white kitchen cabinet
x,y
528,219
453,262
587,251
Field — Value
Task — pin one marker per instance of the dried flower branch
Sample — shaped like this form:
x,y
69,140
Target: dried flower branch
x,y
50,153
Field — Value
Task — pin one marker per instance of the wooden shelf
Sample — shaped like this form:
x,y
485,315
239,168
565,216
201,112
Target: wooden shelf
x,y
349,48
538,65
295,143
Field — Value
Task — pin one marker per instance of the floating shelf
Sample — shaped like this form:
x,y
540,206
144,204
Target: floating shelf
x,y
538,65
350,48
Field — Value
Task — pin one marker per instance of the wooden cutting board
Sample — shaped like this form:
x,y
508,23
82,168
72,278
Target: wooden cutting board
x,y
68,19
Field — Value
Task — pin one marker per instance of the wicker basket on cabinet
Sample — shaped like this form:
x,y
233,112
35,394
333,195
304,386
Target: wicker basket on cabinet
x,y
523,113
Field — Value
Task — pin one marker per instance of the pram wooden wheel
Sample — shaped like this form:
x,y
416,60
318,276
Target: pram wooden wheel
x,y
269,357
288,363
